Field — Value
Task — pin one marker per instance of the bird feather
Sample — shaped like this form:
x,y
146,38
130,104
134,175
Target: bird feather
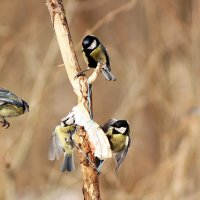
x,y
119,157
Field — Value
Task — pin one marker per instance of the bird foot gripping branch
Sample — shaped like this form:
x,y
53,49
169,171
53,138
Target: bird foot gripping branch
x,y
5,123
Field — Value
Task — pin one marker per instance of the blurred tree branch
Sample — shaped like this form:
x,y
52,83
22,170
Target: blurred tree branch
x,y
80,86
109,17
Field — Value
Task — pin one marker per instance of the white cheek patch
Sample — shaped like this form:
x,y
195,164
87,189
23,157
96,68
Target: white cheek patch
x,y
93,45
121,130
127,141
62,124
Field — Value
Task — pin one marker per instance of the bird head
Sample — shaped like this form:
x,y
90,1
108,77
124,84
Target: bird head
x,y
90,42
121,126
68,120
25,106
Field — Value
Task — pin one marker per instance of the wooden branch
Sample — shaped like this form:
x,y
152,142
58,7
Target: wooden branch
x,y
96,72
80,86
90,176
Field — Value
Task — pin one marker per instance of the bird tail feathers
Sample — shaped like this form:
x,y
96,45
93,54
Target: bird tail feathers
x,y
68,163
108,75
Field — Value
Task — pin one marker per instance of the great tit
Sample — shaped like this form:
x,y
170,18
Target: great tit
x,y
68,120
62,142
11,106
117,132
94,52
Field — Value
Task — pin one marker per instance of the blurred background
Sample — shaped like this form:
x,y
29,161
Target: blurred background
x,y
154,48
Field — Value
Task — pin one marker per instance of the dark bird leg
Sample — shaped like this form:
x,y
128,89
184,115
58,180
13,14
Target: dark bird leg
x,y
82,73
5,123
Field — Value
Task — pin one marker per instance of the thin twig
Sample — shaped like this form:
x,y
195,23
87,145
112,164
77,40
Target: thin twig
x,y
109,17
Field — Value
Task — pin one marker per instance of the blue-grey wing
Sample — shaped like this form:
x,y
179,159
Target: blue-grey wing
x,y
4,100
2,103
107,74
119,157
106,70
8,97
52,153
56,150
107,57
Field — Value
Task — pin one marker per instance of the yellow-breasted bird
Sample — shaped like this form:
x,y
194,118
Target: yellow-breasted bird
x,y
94,52
117,132
63,143
11,106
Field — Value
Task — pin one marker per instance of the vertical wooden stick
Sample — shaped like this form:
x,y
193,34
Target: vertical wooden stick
x,y
80,86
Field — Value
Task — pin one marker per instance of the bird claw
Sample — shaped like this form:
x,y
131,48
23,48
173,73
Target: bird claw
x,y
79,74
5,124
82,73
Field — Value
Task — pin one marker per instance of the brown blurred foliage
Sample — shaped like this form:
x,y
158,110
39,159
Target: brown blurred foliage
x,y
154,48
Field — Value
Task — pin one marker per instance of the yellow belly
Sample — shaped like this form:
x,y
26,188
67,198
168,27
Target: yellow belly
x,y
98,55
10,111
118,142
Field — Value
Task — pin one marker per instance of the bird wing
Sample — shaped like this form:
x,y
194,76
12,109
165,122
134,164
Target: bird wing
x,y
107,57
119,157
56,149
108,124
2,102
8,97
107,74
52,153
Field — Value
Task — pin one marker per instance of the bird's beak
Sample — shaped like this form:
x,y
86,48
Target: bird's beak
x,y
27,108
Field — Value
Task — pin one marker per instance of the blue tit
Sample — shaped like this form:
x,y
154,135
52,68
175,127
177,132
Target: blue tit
x,y
117,132
11,106
62,142
94,52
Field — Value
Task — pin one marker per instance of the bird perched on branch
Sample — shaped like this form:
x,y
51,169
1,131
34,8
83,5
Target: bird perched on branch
x,y
11,106
94,52
117,132
62,143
